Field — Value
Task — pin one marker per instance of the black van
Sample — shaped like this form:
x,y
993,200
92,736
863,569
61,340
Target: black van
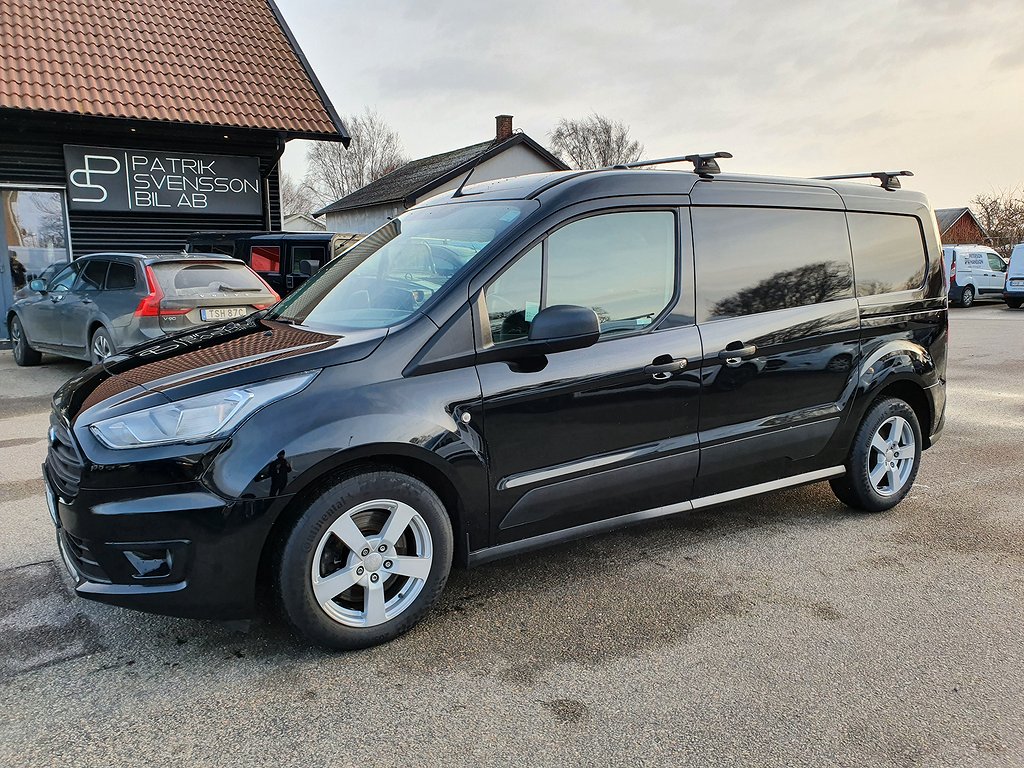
x,y
504,367
285,260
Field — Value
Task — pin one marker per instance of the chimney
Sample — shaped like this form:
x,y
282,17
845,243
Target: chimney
x,y
502,127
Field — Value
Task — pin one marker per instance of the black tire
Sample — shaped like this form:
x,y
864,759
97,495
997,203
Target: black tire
x,y
24,355
856,488
967,296
99,338
336,499
1014,303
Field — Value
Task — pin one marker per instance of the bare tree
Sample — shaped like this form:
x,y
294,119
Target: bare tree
x,y
595,141
1002,215
376,150
296,196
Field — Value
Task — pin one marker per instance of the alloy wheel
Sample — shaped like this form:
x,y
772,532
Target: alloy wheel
x,y
100,348
891,456
372,563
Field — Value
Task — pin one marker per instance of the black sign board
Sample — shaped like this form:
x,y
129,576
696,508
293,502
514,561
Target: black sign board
x,y
105,179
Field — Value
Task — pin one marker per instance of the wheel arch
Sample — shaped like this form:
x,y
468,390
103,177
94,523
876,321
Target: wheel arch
x,y
402,458
914,395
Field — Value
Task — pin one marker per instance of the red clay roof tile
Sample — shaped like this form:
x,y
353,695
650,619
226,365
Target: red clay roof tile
x,y
227,63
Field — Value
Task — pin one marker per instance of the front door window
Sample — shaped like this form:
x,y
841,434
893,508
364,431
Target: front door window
x,y
34,239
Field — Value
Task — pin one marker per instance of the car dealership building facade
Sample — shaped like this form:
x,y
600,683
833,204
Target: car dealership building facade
x,y
118,141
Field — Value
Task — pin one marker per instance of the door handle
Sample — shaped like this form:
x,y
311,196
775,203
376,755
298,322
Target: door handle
x,y
663,371
737,351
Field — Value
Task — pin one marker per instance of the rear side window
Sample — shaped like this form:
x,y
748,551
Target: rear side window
x,y
265,258
889,253
751,260
93,275
180,281
120,276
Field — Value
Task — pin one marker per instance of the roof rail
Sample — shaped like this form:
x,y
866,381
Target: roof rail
x,y
890,179
704,165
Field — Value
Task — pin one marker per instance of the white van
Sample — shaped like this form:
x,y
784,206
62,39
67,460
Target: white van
x,y
974,271
1013,293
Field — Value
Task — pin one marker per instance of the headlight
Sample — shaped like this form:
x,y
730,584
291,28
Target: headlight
x,y
196,418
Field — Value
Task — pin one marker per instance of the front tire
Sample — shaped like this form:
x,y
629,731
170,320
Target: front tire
x,y
365,561
884,458
1014,303
24,355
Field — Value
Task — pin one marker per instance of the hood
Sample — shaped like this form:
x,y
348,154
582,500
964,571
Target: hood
x,y
219,356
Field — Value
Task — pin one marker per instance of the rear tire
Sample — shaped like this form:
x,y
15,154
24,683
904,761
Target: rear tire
x,y
1014,303
967,296
365,561
101,346
24,355
884,458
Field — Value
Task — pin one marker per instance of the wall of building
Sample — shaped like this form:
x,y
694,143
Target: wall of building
x,y
298,223
31,154
518,160
362,220
964,232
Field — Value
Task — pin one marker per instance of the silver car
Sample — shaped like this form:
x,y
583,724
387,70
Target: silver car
x,y
106,302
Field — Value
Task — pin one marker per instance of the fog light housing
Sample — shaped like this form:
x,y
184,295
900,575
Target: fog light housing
x,y
153,560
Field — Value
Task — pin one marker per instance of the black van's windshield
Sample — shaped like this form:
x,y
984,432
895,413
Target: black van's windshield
x,y
392,272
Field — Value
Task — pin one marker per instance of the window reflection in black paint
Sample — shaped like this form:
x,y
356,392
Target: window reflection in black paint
x,y
762,259
890,253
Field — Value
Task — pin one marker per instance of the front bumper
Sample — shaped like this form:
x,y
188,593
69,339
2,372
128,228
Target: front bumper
x,y
178,550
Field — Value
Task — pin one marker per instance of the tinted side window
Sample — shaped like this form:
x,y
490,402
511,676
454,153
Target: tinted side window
x,y
621,265
120,276
889,253
751,260
93,275
314,253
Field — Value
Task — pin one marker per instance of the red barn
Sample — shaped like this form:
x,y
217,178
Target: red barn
x,y
958,226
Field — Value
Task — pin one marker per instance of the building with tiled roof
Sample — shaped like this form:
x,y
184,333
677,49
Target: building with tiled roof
x,y
507,154
130,125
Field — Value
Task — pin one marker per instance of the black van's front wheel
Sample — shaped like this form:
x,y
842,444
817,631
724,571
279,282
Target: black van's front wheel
x,y
883,460
366,560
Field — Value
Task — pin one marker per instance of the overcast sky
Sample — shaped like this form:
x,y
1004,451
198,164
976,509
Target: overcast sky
x,y
802,87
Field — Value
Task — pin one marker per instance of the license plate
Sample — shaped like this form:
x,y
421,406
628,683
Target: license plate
x,y
223,313
1017,283
51,505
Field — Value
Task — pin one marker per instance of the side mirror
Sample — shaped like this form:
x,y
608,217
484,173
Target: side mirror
x,y
564,327
37,285
307,267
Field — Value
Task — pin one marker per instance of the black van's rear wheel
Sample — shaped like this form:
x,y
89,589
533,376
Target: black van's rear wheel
x,y
883,460
366,560
23,352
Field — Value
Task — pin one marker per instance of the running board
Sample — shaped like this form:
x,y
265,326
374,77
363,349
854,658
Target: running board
x,y
601,526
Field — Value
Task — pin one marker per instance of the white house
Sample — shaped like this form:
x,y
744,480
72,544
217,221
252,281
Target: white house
x,y
507,154
300,222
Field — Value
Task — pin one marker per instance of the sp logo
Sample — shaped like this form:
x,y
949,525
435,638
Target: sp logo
x,y
84,178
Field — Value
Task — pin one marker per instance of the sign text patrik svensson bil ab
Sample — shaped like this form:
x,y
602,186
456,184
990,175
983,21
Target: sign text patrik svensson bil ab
x,y
107,179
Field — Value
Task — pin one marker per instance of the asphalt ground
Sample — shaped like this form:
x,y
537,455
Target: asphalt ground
x,y
777,631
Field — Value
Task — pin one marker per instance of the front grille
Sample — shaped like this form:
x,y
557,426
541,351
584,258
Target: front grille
x,y
82,557
63,461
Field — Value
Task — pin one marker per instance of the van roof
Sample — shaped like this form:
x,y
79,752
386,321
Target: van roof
x,y
653,181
